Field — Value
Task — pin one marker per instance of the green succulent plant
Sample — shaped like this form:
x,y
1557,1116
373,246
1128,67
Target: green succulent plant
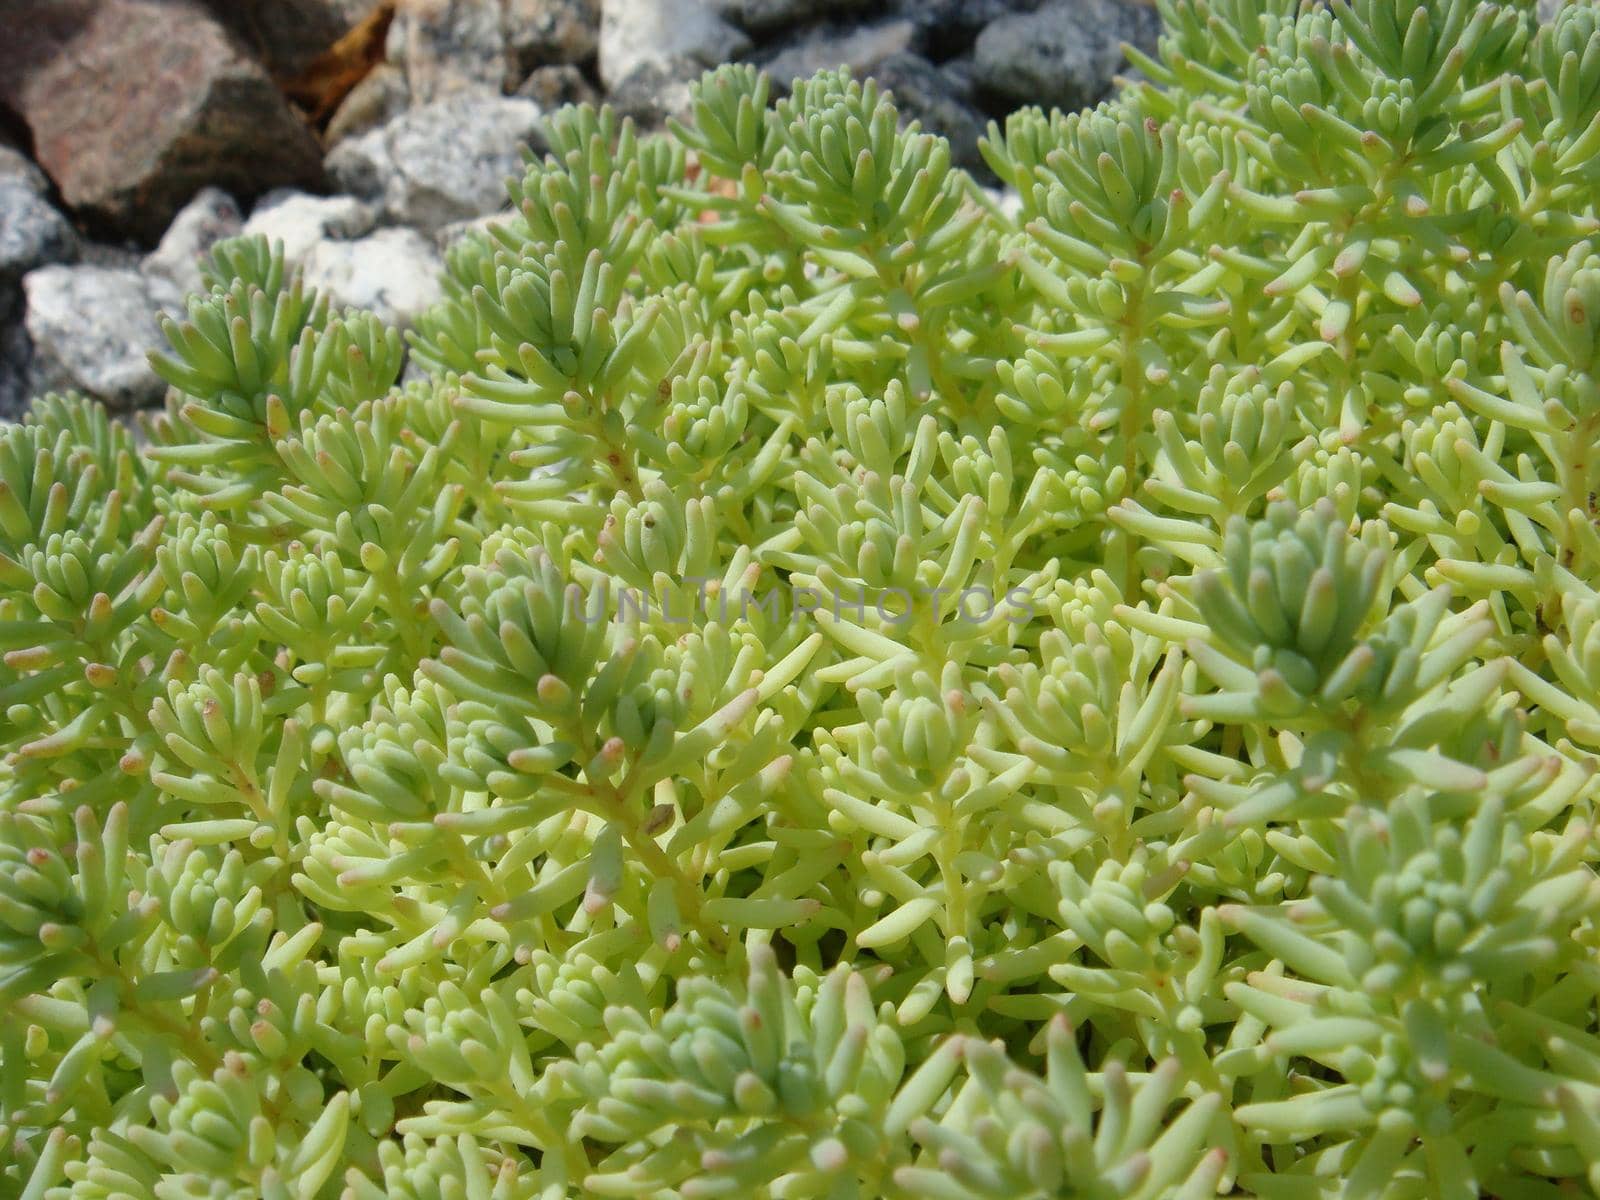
x,y
819,685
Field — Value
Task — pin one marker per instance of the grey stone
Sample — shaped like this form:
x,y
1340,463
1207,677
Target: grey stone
x,y
927,94
541,32
656,91
393,273
16,359
300,221
376,100
113,256
860,48
17,167
91,328
32,235
639,33
448,161
1066,54
134,105
947,27
552,87
287,35
205,221
765,16
447,47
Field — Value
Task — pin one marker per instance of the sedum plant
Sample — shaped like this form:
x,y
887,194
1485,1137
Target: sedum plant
x,y
814,683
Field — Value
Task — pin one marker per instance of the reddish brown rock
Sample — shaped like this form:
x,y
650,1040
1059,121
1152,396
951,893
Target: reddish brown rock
x,y
134,105
289,35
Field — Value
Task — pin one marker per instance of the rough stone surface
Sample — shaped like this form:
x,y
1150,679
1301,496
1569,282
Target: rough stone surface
x,y
961,75
639,33
110,255
300,221
552,87
17,167
376,100
288,34
540,32
938,100
32,235
91,328
16,358
860,48
135,104
393,273
1065,54
447,47
656,91
448,161
765,16
205,221
948,27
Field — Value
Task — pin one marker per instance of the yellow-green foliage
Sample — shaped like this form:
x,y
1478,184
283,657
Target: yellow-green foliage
x,y
819,685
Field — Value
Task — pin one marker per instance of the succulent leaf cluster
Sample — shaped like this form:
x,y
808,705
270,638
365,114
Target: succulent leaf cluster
x,y
800,680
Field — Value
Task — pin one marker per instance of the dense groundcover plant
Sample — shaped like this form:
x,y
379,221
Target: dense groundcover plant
x,y
815,686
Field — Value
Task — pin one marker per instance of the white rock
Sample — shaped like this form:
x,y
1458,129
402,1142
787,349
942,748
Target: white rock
x,y
207,219
449,46
1062,55
32,235
445,162
300,221
91,328
641,33
393,273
